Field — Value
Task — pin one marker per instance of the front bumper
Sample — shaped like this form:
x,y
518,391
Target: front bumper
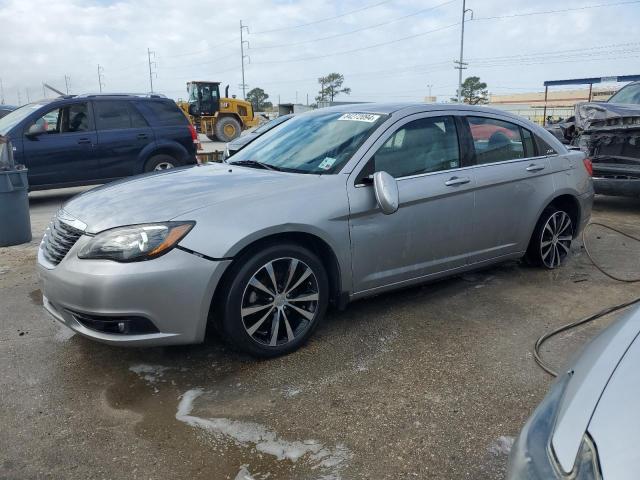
x,y
173,292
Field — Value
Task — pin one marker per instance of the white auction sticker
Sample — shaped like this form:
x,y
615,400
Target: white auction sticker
x,y
327,163
360,117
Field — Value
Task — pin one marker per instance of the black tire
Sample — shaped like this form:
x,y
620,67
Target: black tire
x,y
239,294
161,162
550,243
223,129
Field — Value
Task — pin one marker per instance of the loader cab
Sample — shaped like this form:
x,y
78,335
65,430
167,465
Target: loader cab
x,y
204,98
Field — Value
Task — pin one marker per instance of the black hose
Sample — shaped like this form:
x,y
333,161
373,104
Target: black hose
x,y
536,349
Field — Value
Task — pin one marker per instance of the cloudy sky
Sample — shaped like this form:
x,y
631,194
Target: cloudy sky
x,y
387,50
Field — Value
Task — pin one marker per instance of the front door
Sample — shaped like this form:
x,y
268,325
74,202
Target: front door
x,y
122,135
431,231
59,146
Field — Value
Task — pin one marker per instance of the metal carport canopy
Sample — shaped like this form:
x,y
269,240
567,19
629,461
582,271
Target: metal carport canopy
x,y
584,81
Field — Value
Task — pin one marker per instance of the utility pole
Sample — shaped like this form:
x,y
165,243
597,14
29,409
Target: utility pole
x,y
44,92
242,43
28,97
151,72
429,87
307,99
100,77
67,81
19,99
461,65
1,93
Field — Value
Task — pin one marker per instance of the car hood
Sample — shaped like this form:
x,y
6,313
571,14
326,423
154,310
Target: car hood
x,y
616,421
162,196
592,371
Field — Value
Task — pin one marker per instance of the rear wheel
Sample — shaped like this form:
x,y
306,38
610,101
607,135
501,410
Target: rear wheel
x,y
551,241
227,128
161,162
275,300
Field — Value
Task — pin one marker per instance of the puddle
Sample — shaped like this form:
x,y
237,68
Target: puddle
x,y
312,455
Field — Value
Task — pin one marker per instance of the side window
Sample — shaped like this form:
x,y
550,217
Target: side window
x,y
495,140
164,112
544,148
112,115
137,120
527,140
70,119
421,146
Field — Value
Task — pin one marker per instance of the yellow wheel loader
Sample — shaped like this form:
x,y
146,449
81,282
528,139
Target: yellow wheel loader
x,y
218,118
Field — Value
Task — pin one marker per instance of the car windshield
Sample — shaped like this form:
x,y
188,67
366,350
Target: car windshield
x,y
12,119
628,94
317,143
271,123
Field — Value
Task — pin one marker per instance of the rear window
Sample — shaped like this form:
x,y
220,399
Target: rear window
x,y
114,115
495,140
162,112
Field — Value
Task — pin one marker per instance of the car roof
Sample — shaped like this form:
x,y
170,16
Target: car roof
x,y
415,107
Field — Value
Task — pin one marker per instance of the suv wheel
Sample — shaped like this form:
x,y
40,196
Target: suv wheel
x,y
161,162
551,240
275,300
227,128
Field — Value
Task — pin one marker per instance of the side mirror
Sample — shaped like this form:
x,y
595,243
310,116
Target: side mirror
x,y
35,130
386,190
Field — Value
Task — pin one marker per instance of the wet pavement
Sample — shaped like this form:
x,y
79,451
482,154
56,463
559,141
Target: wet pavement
x,y
428,382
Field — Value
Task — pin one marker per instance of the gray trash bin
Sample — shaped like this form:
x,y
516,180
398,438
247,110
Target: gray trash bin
x,y
15,223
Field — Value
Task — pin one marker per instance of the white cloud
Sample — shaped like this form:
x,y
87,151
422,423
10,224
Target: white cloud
x,y
44,41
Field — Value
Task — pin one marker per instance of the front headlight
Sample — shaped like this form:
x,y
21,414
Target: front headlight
x,y
136,242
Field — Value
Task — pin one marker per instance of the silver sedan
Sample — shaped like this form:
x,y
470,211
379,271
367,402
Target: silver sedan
x,y
587,426
328,207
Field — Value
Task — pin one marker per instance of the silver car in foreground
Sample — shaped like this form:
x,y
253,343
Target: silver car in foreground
x,y
587,426
333,205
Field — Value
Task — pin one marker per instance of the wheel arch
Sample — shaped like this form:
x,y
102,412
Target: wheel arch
x,y
566,200
172,149
311,241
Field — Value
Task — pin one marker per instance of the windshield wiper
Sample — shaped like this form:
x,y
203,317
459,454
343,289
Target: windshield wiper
x,y
255,163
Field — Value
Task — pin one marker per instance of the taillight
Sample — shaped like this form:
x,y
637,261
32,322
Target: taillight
x,y
589,166
194,134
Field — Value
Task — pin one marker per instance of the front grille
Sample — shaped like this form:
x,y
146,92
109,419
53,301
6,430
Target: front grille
x,y
58,240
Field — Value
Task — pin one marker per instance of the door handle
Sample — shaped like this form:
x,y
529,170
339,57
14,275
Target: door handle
x,y
84,140
457,181
535,168
142,136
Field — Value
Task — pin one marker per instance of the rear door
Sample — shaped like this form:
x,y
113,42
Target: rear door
x,y
122,135
512,183
60,146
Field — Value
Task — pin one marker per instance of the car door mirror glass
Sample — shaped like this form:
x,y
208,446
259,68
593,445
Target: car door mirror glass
x,y
386,191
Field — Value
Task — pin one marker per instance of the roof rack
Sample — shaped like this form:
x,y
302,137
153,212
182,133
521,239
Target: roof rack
x,y
139,95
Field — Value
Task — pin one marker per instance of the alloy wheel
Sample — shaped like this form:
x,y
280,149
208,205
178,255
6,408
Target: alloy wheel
x,y
280,302
556,239
163,166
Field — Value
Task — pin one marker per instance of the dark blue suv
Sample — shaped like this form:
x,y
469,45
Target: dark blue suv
x,y
89,139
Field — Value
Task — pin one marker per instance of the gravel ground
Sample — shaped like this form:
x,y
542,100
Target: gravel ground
x,y
427,382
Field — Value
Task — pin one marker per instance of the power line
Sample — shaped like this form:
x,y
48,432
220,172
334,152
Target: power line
x,y
351,32
564,10
315,22
359,49
197,52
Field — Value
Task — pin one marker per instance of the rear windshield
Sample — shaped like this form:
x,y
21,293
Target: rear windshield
x,y
162,112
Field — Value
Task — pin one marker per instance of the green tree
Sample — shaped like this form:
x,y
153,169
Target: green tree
x,y
331,87
258,98
474,92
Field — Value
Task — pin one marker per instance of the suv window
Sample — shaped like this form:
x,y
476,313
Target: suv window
x,y
69,119
421,146
165,112
113,115
495,140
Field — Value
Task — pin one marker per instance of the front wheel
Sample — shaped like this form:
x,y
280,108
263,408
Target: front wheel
x,y
551,241
275,300
227,129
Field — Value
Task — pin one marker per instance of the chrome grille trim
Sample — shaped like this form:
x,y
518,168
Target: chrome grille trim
x,y
59,237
